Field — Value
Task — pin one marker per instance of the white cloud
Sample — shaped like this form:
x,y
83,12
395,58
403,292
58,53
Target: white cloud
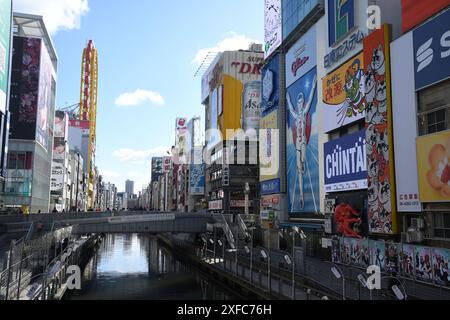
x,y
138,97
58,14
231,42
139,156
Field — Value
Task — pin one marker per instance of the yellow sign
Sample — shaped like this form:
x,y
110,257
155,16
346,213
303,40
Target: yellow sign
x,y
433,158
269,148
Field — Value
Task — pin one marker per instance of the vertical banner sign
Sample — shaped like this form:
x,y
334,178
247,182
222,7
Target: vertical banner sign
x,y
5,45
272,26
380,155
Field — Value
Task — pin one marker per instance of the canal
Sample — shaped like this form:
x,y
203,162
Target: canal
x,y
139,267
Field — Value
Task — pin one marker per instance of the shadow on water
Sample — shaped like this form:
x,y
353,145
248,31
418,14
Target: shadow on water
x,y
139,267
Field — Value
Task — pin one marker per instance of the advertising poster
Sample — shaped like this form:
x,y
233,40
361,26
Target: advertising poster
x,y
404,106
197,179
378,254
441,259
157,168
432,51
302,126
5,47
415,12
270,81
359,252
302,145
345,163
433,161
344,95
407,258
423,263
57,177
347,27
392,257
269,148
25,88
379,137
45,99
61,125
346,245
336,251
272,26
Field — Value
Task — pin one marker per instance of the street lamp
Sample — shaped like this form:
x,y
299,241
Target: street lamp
x,y
337,272
266,256
246,193
398,293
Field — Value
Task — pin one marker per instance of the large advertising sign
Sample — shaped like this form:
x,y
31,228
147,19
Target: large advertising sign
x,y
347,27
432,51
415,12
404,104
433,161
57,177
25,87
270,153
181,132
272,26
270,81
382,213
197,179
45,98
157,168
302,126
5,48
302,57
344,95
346,163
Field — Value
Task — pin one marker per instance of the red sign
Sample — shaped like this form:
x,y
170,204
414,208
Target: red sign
x,y
247,68
82,124
415,12
270,201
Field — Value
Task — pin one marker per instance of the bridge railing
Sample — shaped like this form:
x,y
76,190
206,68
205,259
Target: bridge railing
x,y
226,229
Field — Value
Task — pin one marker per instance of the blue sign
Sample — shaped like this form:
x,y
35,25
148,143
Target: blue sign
x,y
345,163
270,92
341,19
432,51
270,187
197,179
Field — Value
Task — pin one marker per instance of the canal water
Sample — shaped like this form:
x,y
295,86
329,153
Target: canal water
x,y
139,267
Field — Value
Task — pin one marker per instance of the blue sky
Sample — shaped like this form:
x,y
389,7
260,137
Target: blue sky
x,y
151,45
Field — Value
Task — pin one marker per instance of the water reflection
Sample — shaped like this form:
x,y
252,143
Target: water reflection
x,y
137,267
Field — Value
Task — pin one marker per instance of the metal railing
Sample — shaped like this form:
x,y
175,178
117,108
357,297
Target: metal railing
x,y
226,229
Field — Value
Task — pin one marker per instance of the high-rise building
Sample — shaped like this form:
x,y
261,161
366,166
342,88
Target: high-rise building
x,y
33,79
5,70
129,188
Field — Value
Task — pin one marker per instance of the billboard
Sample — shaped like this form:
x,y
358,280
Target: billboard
x,y
302,57
45,98
197,180
302,145
382,213
404,104
344,95
441,260
25,87
157,168
415,12
345,163
181,135
167,164
347,27
433,161
273,26
432,51
234,86
57,177
5,49
269,148
270,81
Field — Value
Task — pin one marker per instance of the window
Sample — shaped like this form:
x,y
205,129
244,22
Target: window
x,y
434,104
442,225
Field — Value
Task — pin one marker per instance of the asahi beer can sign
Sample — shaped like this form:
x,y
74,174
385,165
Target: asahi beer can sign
x,y
251,106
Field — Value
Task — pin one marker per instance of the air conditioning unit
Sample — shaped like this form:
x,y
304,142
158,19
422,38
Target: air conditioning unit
x,y
418,223
416,236
406,238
